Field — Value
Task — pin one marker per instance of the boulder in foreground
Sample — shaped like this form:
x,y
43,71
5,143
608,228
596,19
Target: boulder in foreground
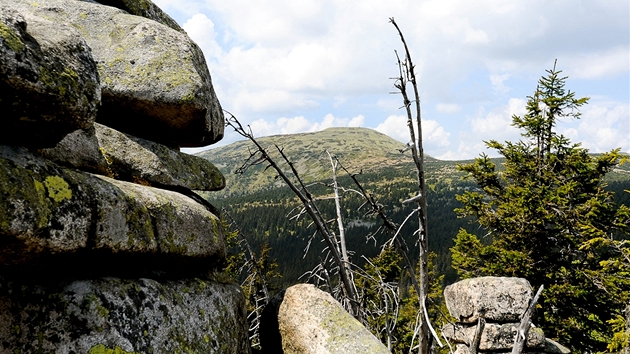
x,y
311,321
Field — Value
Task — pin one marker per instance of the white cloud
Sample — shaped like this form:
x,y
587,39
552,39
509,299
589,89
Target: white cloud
x,y
594,65
448,108
497,123
300,124
357,121
281,58
396,127
201,29
498,82
433,134
603,126
476,36
492,125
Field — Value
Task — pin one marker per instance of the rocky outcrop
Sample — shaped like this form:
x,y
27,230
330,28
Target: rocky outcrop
x,y
496,299
104,245
106,151
49,85
112,315
495,336
57,211
154,80
311,321
493,305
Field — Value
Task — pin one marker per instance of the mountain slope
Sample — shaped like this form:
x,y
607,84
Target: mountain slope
x,y
358,149
260,203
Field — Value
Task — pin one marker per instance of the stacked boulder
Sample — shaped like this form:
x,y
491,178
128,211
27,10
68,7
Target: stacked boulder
x,y
104,245
488,311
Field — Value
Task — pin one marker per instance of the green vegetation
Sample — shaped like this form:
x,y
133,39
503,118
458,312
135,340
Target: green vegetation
x,y
548,218
260,204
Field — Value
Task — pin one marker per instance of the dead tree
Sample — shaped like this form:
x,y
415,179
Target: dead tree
x,y
261,156
407,76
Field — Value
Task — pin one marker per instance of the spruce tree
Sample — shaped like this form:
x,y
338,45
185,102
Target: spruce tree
x,y
541,212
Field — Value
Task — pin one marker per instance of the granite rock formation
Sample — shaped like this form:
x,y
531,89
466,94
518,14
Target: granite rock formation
x,y
104,245
495,306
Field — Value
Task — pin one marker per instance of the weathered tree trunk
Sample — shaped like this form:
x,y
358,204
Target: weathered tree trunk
x,y
407,74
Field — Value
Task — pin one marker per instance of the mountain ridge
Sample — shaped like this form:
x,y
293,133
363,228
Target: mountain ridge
x,y
358,149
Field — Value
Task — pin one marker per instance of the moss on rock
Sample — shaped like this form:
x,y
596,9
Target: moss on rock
x,y
116,316
50,63
11,39
49,211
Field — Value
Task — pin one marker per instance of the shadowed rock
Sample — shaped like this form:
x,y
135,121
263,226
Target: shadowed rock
x,y
105,151
113,315
494,336
49,84
49,212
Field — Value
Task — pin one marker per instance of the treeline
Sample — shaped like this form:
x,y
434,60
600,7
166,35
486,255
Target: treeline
x,y
268,217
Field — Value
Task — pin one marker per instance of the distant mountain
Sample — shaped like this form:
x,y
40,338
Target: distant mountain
x,y
358,149
261,203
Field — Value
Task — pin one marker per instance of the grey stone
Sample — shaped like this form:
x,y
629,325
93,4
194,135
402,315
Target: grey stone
x,y
154,80
105,151
112,315
49,84
311,321
49,211
81,150
494,336
552,346
497,299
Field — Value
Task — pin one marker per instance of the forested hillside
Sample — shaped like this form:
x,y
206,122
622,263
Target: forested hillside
x,y
263,206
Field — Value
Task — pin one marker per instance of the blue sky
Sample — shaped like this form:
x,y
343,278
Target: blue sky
x,y
288,66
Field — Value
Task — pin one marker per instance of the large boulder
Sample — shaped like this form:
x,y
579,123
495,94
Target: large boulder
x,y
49,84
48,213
311,321
494,336
105,151
155,81
113,315
497,299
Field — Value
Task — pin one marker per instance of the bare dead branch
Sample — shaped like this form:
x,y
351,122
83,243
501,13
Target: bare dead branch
x,y
523,327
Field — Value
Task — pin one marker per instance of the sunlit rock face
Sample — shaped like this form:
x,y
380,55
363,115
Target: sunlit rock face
x,y
492,307
311,321
154,80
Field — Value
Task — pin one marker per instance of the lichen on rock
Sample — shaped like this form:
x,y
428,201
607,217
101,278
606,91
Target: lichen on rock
x,y
49,84
311,321
48,211
114,315
151,74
